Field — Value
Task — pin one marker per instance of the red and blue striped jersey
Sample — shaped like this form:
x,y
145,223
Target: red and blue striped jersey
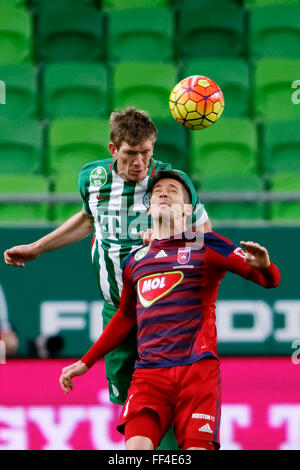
x,y
169,291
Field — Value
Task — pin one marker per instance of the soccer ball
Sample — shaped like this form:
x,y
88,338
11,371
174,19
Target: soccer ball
x,y
196,102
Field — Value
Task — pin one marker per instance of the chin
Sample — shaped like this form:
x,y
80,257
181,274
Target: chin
x,y
136,178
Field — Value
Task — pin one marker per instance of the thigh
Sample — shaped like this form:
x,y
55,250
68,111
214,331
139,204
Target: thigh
x,y
144,424
150,391
197,412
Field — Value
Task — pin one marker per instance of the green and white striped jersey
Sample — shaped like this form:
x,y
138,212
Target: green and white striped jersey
x,y
119,209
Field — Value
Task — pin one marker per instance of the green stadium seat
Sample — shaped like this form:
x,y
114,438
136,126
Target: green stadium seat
x,y
66,184
210,30
62,212
75,89
146,85
228,146
21,146
15,213
273,89
20,90
176,4
124,4
275,31
256,3
12,3
140,34
70,35
72,142
15,36
38,5
282,147
286,182
236,182
172,144
232,75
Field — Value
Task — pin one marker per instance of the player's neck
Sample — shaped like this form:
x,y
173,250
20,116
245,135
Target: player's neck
x,y
163,229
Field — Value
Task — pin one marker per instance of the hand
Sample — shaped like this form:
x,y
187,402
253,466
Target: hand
x,y
11,341
65,380
256,255
147,236
18,255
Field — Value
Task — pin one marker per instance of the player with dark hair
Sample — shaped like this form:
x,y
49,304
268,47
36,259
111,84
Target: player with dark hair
x,y
169,292
115,199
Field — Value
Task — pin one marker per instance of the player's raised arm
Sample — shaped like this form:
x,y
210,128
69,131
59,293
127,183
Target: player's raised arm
x,y
254,264
76,228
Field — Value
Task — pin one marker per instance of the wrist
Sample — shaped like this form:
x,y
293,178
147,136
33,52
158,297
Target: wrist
x,y
83,365
85,362
37,247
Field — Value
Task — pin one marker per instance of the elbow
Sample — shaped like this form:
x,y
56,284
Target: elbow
x,y
273,277
275,282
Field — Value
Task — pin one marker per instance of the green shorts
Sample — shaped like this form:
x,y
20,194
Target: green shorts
x,y
119,363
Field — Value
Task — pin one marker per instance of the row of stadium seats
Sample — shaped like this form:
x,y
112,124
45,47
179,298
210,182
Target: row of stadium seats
x,y
42,157
124,4
87,34
226,160
27,147
41,212
89,89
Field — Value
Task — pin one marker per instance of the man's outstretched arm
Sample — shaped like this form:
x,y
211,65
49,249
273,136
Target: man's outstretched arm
x,y
76,228
254,264
113,335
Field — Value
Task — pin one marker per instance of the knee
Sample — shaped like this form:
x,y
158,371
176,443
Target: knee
x,y
196,448
139,443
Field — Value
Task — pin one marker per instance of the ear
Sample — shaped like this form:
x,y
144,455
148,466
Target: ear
x,y
113,149
187,209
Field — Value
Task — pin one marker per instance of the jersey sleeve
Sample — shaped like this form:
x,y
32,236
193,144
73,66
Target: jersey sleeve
x,y
83,185
232,258
162,165
199,216
119,326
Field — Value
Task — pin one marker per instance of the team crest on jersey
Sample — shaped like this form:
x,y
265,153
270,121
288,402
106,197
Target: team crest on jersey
x,y
154,287
141,253
183,255
98,176
146,200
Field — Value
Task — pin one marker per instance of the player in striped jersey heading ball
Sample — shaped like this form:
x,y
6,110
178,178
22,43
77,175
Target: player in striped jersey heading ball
x,y
115,204
169,293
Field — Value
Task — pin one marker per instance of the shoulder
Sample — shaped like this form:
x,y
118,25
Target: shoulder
x,y
219,244
97,164
158,165
129,258
98,169
135,255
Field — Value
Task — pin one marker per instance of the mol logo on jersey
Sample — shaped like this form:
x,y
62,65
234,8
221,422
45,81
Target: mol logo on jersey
x,y
154,287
